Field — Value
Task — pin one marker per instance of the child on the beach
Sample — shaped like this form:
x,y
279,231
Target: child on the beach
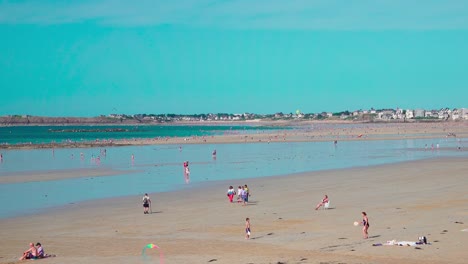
x,y
230,193
239,194
247,228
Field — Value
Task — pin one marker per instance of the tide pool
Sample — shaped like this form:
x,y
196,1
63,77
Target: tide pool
x,y
158,168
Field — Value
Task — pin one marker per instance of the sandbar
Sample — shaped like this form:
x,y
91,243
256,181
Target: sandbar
x,y
302,132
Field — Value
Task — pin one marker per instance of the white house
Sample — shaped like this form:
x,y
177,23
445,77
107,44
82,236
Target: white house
x,y
455,114
399,114
409,114
386,115
419,113
464,113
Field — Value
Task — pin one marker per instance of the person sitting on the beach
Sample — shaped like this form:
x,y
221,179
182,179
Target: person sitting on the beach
x,y
40,250
31,253
323,202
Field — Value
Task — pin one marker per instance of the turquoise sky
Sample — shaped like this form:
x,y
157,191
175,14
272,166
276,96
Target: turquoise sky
x,y
86,58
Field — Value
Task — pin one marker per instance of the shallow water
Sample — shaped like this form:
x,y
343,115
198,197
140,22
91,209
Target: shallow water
x,y
60,134
159,167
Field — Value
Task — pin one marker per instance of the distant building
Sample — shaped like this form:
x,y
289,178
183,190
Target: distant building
x,y
428,114
386,115
455,114
419,113
409,114
399,114
463,113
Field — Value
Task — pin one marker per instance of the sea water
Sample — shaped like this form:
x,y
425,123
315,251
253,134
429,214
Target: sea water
x,y
69,133
158,168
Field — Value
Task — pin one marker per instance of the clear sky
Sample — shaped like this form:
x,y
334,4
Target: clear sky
x,y
92,57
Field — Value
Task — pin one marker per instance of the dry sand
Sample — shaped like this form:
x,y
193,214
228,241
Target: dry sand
x,y
403,201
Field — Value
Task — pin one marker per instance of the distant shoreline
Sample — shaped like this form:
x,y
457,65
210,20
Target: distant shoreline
x,y
280,123
366,131
27,120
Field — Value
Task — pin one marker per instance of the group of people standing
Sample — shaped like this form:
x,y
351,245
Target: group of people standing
x,y
243,193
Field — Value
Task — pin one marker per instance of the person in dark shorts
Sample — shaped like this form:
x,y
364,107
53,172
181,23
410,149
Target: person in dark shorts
x,y
146,204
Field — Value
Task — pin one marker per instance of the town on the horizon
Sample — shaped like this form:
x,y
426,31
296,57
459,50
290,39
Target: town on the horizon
x,y
370,115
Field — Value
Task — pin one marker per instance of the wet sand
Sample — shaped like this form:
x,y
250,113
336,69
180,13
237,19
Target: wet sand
x,y
35,176
304,132
403,201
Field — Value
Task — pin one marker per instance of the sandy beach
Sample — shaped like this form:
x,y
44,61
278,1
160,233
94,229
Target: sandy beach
x,y
403,201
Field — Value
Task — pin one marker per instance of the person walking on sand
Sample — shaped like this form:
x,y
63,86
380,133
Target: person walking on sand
x,y
323,202
239,194
31,253
146,203
247,228
230,193
247,193
365,224
243,196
